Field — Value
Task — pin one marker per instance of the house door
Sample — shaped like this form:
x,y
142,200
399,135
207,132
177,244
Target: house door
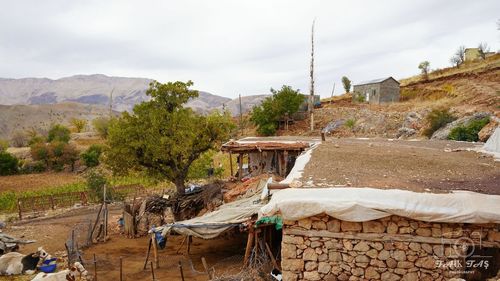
x,y
367,97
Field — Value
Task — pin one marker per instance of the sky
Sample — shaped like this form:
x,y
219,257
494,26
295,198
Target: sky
x,y
231,47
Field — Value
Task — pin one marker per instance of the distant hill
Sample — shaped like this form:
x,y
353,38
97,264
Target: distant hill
x,y
39,102
24,117
96,89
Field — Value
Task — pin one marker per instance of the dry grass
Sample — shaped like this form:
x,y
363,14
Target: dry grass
x,y
32,182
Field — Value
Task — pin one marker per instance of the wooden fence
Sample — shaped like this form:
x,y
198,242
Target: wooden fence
x,y
37,205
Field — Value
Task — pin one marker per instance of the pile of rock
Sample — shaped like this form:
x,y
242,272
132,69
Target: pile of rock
x,y
324,248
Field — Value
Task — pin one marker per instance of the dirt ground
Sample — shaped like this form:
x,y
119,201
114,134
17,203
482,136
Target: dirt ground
x,y
36,181
224,254
414,165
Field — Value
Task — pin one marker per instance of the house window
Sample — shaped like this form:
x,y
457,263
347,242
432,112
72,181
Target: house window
x,y
374,92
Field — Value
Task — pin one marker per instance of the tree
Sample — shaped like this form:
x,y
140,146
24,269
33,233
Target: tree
x,y
101,125
347,84
58,132
18,139
455,61
78,124
55,154
424,67
91,156
483,50
283,102
459,57
162,136
8,164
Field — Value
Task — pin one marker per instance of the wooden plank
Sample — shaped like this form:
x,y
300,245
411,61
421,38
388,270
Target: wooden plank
x,y
273,260
278,186
381,237
249,245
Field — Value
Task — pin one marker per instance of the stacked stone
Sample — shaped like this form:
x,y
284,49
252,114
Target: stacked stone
x,y
314,257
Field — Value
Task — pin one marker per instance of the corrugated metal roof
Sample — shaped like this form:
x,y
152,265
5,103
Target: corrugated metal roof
x,y
374,81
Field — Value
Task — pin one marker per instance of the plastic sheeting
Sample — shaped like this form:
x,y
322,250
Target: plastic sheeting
x,y
365,204
492,146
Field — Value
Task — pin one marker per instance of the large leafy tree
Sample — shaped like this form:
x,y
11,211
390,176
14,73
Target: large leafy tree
x,y
285,101
164,137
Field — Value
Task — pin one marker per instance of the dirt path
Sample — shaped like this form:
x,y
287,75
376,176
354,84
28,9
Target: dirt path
x,y
224,254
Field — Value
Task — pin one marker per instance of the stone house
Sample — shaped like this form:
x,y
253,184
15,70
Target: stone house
x,y
326,237
472,54
377,91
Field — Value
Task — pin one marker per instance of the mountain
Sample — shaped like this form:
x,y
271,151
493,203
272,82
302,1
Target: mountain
x,y
96,89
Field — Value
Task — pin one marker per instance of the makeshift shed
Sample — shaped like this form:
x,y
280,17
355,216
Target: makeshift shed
x,y
266,155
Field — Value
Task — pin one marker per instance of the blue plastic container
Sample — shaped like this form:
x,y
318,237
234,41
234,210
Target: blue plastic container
x,y
47,267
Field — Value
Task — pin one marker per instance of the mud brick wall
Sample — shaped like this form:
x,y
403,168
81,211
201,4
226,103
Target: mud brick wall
x,y
392,248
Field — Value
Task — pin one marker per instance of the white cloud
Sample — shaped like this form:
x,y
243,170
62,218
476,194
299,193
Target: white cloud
x,y
231,47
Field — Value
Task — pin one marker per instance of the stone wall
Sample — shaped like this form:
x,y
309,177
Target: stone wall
x,y
392,248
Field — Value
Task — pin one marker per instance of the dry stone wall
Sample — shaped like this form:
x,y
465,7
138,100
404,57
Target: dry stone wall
x,y
392,248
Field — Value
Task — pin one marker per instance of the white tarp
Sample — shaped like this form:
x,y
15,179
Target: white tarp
x,y
227,216
492,146
365,204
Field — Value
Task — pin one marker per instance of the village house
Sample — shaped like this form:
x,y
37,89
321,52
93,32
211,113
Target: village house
x,y
377,91
472,54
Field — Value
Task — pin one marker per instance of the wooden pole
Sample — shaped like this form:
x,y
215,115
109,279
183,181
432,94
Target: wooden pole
x,y
152,271
273,260
248,249
205,266
230,164
121,269
20,210
147,255
240,166
155,250
190,240
241,117
180,269
105,214
95,269
96,220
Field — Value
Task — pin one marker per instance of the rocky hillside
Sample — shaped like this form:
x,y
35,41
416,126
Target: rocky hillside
x,y
468,92
40,117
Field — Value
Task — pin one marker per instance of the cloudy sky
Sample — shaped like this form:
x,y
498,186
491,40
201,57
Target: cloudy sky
x,y
239,47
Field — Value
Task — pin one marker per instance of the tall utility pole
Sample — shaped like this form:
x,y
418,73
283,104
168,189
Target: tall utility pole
x,y
311,93
241,116
333,91
111,103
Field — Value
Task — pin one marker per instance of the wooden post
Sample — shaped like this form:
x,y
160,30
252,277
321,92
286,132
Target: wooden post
x,y
270,253
180,269
256,236
121,269
190,240
105,214
248,249
147,255
96,220
285,157
152,271
155,250
95,269
231,163
205,266
19,208
240,166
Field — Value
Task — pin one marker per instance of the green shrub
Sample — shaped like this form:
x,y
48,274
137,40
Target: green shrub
x,y
360,98
283,102
59,133
33,167
55,155
8,164
91,156
36,139
4,144
350,123
95,184
437,119
101,126
469,132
